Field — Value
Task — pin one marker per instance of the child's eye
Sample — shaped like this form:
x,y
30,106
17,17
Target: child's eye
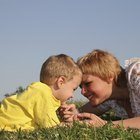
x,y
74,89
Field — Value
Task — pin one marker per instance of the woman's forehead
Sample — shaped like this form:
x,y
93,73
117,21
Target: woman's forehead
x,y
86,77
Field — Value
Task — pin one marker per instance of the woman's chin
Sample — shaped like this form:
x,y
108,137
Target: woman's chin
x,y
93,102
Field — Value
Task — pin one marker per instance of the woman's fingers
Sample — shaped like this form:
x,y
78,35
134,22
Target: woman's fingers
x,y
84,115
91,119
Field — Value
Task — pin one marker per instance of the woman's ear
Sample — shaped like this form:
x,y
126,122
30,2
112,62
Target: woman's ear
x,y
110,79
60,81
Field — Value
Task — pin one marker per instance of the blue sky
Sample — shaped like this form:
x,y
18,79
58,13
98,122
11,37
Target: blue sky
x,y
32,30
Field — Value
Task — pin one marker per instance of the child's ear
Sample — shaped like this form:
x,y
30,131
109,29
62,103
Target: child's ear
x,y
60,81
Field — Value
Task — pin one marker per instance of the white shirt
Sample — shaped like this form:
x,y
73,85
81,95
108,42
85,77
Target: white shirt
x,y
132,68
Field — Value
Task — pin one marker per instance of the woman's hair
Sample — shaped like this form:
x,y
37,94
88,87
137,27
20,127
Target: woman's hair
x,y
56,66
102,64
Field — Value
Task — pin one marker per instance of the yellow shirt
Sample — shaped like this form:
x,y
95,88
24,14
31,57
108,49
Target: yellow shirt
x,y
34,108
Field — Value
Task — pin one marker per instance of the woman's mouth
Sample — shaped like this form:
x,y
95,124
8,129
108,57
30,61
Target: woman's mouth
x,y
90,97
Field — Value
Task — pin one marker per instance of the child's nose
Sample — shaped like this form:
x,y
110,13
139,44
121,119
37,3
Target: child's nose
x,y
72,96
83,91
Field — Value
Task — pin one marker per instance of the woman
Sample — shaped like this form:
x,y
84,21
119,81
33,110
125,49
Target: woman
x,y
108,86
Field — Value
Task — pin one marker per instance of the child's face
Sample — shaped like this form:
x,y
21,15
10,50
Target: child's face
x,y
67,89
95,89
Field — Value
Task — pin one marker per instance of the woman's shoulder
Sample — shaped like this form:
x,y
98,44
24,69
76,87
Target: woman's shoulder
x,y
132,67
131,61
133,77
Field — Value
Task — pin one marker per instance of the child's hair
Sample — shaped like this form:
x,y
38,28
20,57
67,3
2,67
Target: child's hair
x,y
102,64
56,66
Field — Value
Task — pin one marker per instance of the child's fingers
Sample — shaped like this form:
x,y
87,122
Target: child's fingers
x,y
67,107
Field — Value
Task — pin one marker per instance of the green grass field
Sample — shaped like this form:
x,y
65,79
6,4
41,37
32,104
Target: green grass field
x,y
75,132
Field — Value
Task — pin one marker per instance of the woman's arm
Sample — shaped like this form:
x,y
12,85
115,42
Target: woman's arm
x,y
128,123
96,121
90,109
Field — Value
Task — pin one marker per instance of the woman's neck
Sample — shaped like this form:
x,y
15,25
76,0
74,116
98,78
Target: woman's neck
x,y
120,93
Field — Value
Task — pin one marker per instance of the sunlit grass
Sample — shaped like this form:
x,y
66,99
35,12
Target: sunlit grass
x,y
76,131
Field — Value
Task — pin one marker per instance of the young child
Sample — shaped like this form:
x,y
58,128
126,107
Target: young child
x,y
36,107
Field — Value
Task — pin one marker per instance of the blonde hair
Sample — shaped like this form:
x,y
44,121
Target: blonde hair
x,y
56,66
100,63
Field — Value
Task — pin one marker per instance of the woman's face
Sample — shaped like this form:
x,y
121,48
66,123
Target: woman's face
x,y
95,89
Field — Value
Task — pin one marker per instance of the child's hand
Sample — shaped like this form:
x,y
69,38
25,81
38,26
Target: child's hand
x,y
67,112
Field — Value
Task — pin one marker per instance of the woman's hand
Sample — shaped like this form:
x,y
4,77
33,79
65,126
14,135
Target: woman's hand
x,y
91,119
67,112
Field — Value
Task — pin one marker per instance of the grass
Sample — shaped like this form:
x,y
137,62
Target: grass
x,y
76,131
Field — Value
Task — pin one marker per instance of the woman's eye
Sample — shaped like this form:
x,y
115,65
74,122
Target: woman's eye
x,y
88,84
